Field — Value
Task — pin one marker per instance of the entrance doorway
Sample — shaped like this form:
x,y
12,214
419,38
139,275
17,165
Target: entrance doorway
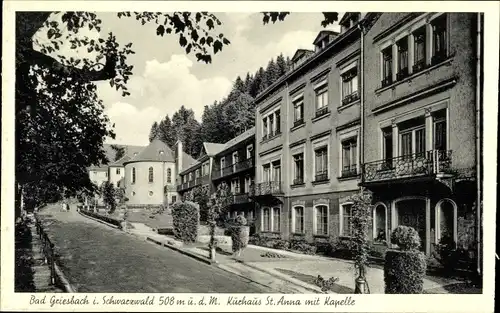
x,y
411,212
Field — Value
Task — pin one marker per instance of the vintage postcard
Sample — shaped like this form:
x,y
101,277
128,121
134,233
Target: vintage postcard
x,y
251,156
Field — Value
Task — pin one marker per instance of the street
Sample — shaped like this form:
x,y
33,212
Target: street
x,y
97,258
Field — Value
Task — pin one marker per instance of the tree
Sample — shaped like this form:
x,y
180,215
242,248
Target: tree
x,y
201,196
272,73
165,132
218,204
119,152
281,64
153,133
109,195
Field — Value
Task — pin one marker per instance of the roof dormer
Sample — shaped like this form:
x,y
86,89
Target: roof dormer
x,y
349,20
323,39
300,56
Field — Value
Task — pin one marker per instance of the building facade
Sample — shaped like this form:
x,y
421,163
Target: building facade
x,y
307,141
235,166
150,175
420,105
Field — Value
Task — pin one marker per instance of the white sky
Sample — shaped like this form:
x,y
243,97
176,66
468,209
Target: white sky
x,y
166,78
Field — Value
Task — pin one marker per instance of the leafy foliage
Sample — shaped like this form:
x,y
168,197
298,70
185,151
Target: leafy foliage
x,y
186,219
301,245
404,272
325,284
239,236
109,195
361,221
240,220
406,238
119,151
201,197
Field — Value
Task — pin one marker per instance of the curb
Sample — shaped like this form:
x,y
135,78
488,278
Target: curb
x,y
180,250
66,284
284,277
98,220
223,267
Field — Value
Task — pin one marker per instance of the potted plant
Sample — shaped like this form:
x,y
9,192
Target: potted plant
x,y
240,234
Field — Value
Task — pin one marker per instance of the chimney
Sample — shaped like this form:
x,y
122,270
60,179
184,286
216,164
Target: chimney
x,y
179,156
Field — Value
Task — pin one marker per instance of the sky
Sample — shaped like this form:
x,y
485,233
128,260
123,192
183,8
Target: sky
x,y
165,77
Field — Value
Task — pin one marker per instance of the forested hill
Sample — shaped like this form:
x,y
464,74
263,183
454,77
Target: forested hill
x,y
224,119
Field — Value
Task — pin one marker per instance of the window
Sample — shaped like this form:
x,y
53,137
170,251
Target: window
x,y
298,112
266,172
150,171
387,66
276,171
276,219
174,199
321,102
298,219
346,222
235,160
321,164
350,86
169,175
117,171
439,40
440,134
402,46
387,142
248,183
412,137
349,157
191,176
271,125
278,122
298,174
419,50
133,175
265,130
235,186
222,163
150,193
249,151
321,220
266,219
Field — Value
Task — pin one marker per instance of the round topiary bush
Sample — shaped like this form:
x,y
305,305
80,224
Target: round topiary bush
x,y
406,238
404,272
240,220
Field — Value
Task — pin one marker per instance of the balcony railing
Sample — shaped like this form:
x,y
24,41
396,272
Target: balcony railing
x,y
233,168
266,188
298,122
402,74
321,176
197,181
321,111
387,81
271,135
298,181
419,66
241,198
350,98
349,171
413,165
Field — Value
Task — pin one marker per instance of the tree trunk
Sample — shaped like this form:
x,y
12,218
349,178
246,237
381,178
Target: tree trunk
x,y
360,282
212,241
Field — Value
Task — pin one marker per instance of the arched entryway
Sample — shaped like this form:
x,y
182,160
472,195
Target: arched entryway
x,y
414,212
446,220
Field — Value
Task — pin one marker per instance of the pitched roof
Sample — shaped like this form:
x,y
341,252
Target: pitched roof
x,y
187,161
241,137
213,148
323,34
111,154
301,52
157,150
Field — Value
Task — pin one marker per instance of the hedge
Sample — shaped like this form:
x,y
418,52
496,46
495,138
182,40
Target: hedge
x,y
106,219
404,272
186,220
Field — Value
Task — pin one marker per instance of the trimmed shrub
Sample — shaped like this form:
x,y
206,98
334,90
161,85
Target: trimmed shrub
x,y
302,246
404,272
240,220
186,220
448,256
342,249
240,237
406,238
281,244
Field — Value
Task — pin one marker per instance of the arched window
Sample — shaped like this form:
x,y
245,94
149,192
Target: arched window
x,y
133,175
446,220
151,174
169,175
380,223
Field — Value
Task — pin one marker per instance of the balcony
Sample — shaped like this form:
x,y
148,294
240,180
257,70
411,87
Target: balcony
x,y
241,198
298,122
419,66
266,188
402,74
321,177
321,111
198,181
233,168
350,98
415,165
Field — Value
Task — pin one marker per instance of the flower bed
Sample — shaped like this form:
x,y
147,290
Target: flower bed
x,y
106,219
